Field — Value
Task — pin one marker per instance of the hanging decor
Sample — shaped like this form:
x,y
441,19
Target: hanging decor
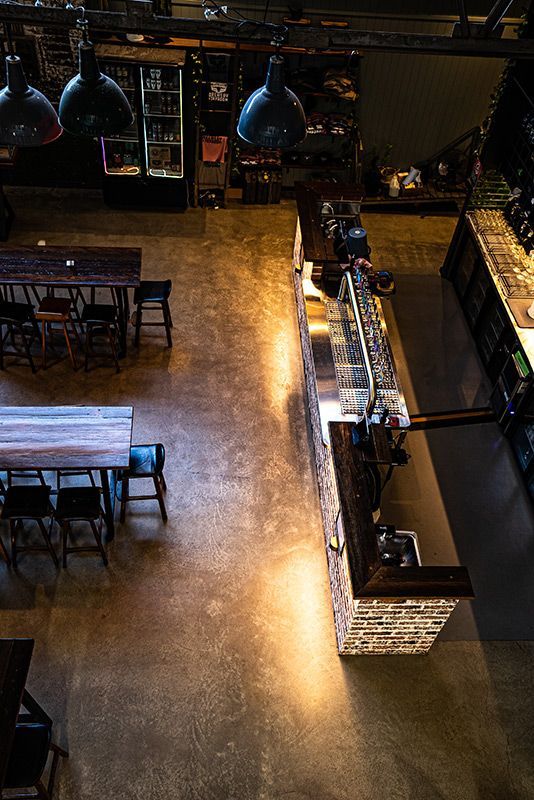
x,y
273,115
27,118
92,104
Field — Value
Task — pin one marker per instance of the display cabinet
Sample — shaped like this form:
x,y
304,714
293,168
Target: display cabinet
x,y
152,147
161,93
121,154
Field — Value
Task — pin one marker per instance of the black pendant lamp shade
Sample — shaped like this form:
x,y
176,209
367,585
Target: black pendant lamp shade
x,y
92,104
27,118
273,115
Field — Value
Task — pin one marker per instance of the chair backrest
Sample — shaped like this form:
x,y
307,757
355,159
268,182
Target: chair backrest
x,y
142,456
160,457
29,754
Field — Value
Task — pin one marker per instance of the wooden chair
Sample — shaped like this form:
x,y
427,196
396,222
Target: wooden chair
x,y
152,295
68,473
100,319
80,504
25,475
28,503
146,461
15,316
29,755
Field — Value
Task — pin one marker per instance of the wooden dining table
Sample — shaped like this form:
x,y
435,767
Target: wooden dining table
x,y
61,266
69,437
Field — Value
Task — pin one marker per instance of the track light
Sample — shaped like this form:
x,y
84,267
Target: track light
x,y
273,115
92,104
27,118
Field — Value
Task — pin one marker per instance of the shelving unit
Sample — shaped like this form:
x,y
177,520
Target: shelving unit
x,y
342,151
213,121
516,152
163,141
121,155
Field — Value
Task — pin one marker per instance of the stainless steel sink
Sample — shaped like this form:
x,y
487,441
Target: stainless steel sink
x,y
397,548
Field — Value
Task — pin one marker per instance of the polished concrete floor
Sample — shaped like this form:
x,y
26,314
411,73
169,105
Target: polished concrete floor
x,y
201,665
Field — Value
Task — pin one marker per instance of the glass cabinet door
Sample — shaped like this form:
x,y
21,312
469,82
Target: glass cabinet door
x,y
161,88
122,153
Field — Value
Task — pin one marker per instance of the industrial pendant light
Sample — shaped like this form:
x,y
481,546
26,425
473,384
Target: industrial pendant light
x,y
92,104
273,115
27,118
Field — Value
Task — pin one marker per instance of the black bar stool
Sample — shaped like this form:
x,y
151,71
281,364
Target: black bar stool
x,y
146,461
28,503
80,504
100,319
157,294
15,316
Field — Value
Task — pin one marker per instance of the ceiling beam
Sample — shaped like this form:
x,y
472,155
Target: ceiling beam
x,y
311,38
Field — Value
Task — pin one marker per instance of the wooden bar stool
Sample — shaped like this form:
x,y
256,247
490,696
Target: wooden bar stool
x,y
155,293
80,504
146,461
56,310
100,319
15,316
28,503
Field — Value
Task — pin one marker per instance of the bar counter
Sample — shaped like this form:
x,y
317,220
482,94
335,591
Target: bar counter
x,y
378,609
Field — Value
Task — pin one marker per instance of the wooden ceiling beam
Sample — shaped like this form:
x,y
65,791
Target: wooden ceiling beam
x,y
309,38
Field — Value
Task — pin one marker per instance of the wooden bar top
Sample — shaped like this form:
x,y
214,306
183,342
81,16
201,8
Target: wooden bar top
x,y
93,266
65,437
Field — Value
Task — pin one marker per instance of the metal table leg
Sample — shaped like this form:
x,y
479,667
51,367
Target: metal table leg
x,y
108,493
123,315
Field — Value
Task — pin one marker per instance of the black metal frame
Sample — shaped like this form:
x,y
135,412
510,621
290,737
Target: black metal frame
x,y
304,37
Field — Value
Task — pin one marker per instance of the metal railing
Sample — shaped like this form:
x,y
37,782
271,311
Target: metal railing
x,y
347,287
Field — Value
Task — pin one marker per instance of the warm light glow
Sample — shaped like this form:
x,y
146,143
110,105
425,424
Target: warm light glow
x,y
310,289
299,591
280,376
315,327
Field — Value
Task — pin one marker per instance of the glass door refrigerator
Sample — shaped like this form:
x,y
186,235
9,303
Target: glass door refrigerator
x,y
144,164
121,154
161,97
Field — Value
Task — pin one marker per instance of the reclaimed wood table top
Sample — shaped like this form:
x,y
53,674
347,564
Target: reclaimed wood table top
x,y
65,437
15,657
93,266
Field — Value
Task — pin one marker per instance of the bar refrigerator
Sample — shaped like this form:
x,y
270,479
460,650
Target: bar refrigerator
x,y
145,162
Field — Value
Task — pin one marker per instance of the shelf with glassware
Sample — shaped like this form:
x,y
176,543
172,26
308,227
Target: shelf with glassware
x,y
121,155
153,145
161,94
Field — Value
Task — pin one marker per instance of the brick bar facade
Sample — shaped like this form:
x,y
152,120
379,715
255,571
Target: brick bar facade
x,y
364,626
